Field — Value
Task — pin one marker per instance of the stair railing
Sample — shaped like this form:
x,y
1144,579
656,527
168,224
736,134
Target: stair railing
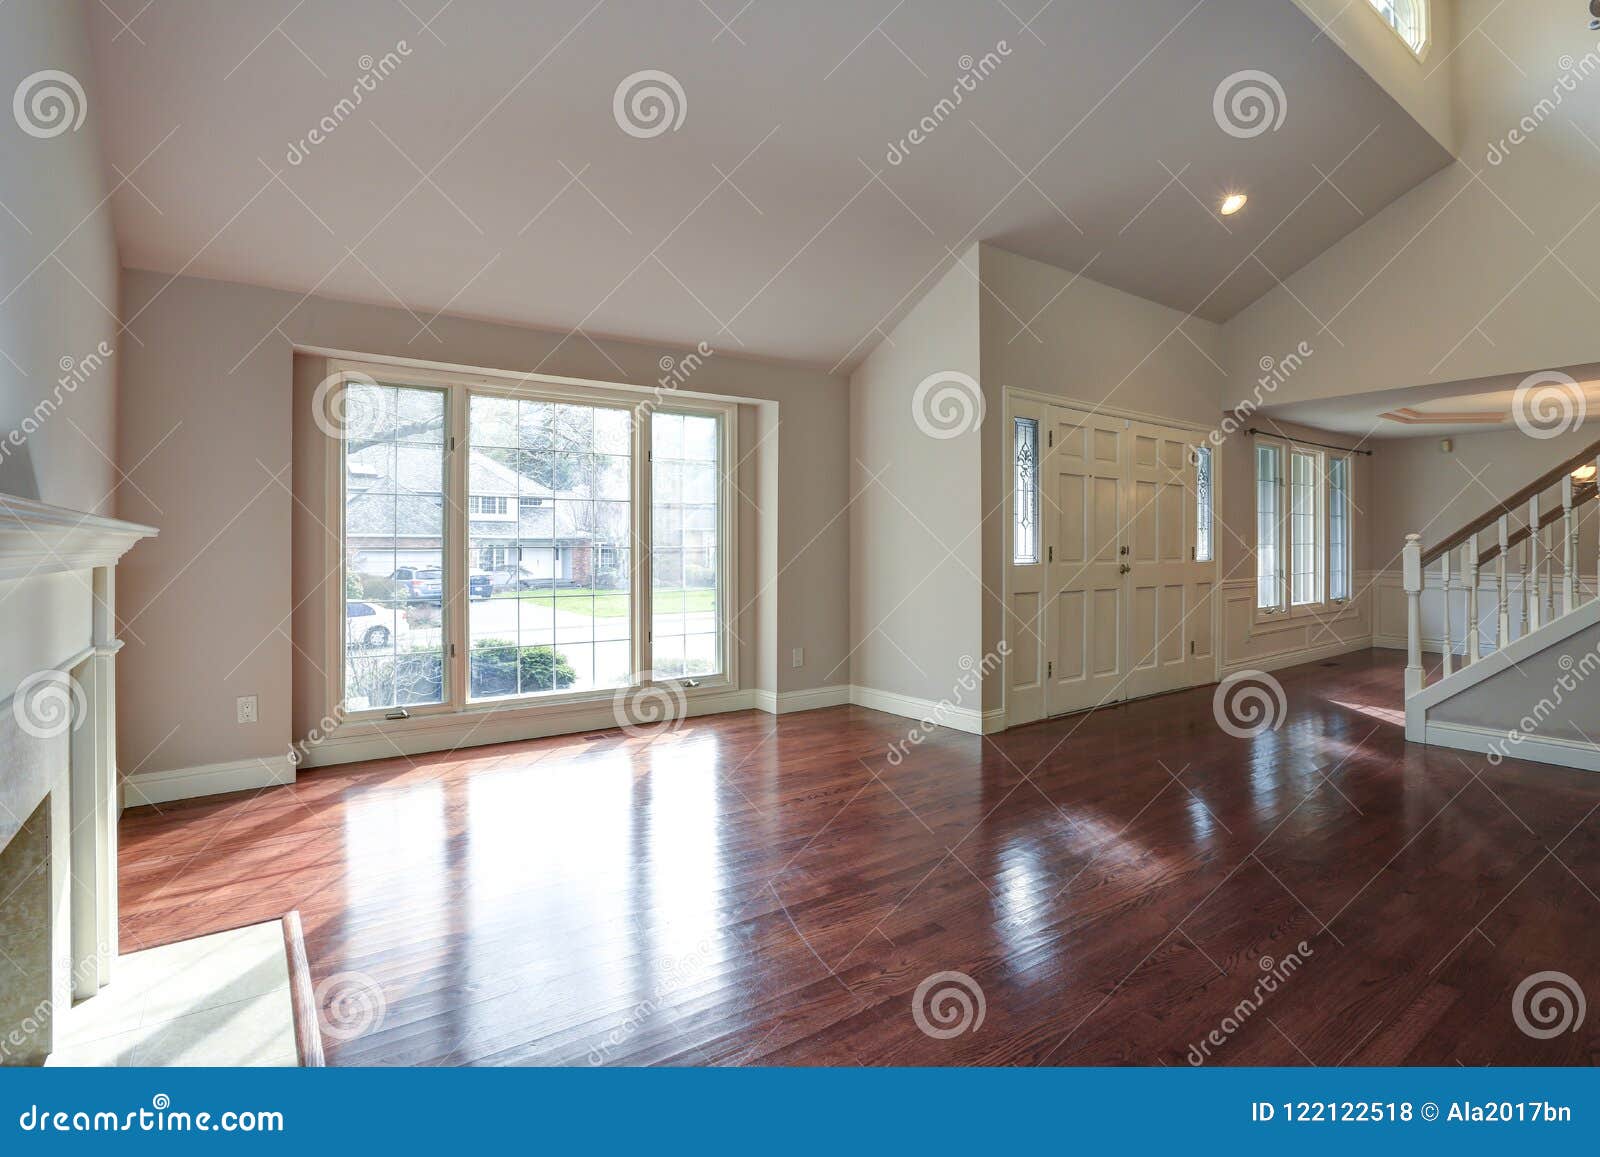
x,y
1520,520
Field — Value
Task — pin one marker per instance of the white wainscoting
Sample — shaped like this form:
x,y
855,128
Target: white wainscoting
x,y
1389,630
1249,645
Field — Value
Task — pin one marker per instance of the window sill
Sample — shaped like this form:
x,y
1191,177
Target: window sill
x,y
1296,616
368,735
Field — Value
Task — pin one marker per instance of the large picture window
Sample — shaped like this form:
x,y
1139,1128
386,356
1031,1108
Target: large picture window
x,y
1303,526
499,541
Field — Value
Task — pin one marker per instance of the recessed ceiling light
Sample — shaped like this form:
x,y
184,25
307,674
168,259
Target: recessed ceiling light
x,y
1232,203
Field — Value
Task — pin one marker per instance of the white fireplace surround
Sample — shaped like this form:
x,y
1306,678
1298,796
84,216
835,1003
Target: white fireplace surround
x,y
40,546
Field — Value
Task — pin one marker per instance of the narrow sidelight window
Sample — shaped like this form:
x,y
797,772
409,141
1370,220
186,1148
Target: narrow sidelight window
x,y
1025,520
1338,529
686,551
1269,566
1202,502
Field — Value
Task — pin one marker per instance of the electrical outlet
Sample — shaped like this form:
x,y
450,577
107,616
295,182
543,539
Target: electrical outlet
x,y
247,708
798,658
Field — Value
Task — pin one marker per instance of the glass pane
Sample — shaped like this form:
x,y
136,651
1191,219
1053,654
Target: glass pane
x,y
1268,564
394,547
549,527
1339,528
1202,502
1025,511
1305,547
685,521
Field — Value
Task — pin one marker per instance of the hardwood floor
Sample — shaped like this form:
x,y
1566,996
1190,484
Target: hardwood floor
x,y
760,890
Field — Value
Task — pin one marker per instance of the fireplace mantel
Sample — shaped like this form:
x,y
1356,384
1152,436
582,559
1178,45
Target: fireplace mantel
x,y
37,539
58,750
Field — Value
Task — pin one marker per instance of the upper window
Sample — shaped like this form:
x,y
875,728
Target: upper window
x,y
1303,526
1408,18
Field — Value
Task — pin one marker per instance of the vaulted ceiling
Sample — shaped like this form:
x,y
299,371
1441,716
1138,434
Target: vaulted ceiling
x,y
474,158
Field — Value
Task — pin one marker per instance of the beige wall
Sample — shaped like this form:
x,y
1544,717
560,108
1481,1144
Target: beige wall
x,y
216,590
58,278
915,598
1046,330
1424,88
1429,492
1454,281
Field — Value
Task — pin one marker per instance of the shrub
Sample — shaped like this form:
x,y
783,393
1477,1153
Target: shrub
x,y
495,664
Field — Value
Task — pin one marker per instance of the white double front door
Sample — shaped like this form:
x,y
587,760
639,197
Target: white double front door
x,y
1117,605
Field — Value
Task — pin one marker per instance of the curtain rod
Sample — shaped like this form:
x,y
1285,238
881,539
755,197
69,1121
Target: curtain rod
x,y
1308,442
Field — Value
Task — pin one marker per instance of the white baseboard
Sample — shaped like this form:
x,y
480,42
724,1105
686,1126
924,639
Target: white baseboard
x,y
968,719
207,779
787,702
1466,737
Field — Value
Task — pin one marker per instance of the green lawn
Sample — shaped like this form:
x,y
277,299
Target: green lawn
x,y
608,604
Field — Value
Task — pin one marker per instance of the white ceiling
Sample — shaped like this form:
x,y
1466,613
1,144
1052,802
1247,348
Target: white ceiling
x,y
1548,397
487,175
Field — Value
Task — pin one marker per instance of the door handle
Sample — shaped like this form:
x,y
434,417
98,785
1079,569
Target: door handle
x,y
1124,568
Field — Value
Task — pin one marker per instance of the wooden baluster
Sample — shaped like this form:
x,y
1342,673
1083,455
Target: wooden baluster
x,y
1474,633
1411,578
1550,584
1503,620
1530,595
1569,548
1449,645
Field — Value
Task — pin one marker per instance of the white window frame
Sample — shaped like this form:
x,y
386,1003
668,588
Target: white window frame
x,y
1425,18
458,388
1323,606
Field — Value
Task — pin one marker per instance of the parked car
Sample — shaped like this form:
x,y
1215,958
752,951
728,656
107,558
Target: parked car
x,y
480,585
420,584
366,626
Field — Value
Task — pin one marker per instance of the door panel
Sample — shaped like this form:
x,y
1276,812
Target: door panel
x,y
1118,608
1086,460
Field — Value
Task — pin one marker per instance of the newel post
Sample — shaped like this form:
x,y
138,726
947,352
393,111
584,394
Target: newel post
x,y
1411,564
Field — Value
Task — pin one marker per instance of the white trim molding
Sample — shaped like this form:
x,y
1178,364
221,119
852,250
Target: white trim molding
x,y
1488,740
944,714
810,699
208,779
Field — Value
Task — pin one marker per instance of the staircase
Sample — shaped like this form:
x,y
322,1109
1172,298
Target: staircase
x,y
1526,684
